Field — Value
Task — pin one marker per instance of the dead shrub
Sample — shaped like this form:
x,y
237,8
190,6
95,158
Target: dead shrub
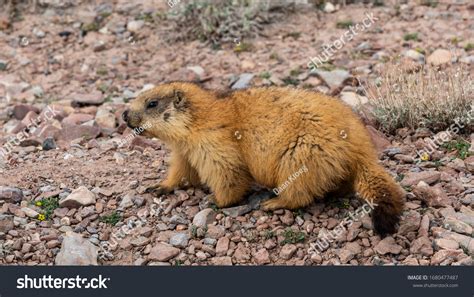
x,y
432,98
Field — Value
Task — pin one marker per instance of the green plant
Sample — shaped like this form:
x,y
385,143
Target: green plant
x,y
295,72
469,47
290,81
274,56
410,36
243,47
460,146
431,3
455,40
399,177
294,35
102,70
265,75
269,234
346,24
48,205
420,50
292,236
111,219
194,231
438,163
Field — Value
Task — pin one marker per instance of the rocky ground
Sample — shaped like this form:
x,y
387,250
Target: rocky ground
x,y
70,194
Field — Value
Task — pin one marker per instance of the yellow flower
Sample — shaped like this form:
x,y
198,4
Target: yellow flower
x,y
38,203
41,217
425,157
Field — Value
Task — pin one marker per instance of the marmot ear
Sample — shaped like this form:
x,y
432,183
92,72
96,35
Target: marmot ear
x,y
178,100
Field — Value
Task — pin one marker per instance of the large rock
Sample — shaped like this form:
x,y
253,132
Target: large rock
x,y
105,118
410,222
333,79
6,223
94,98
163,252
77,118
79,197
388,245
464,241
432,196
243,81
204,217
11,194
469,162
458,226
413,178
415,56
439,57
353,99
21,110
379,140
446,257
71,132
179,240
76,250
422,245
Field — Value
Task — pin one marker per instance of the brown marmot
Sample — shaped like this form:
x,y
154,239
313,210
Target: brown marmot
x,y
266,135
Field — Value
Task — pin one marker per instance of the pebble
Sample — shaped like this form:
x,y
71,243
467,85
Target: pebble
x,y
204,217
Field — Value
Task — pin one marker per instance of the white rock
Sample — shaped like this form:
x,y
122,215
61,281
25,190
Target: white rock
x,y
204,217
31,213
329,7
135,26
76,250
414,55
79,197
353,99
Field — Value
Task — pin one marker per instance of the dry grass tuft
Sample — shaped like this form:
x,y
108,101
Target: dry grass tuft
x,y
222,21
429,98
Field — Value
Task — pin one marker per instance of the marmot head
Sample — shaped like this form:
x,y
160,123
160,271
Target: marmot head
x,y
163,112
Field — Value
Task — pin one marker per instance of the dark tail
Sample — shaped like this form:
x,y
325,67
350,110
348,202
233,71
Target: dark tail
x,y
375,185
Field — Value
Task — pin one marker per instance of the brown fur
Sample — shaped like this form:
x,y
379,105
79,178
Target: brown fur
x,y
265,135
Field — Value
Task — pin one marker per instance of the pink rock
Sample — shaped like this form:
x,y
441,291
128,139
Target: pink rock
x,y
287,251
413,178
422,245
30,118
93,98
20,110
432,196
222,261
388,245
222,246
380,141
163,252
77,118
71,132
262,257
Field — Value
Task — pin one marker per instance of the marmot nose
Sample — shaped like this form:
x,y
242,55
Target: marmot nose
x,y
125,116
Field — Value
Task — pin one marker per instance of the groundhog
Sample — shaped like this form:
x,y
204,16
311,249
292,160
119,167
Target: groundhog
x,y
229,140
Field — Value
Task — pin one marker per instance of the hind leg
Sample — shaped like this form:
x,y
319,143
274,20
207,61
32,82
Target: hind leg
x,y
289,200
345,189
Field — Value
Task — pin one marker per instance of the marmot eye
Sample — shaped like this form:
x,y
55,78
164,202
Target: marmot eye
x,y
152,104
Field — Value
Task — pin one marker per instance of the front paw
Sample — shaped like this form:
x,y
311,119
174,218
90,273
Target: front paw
x,y
271,204
158,189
